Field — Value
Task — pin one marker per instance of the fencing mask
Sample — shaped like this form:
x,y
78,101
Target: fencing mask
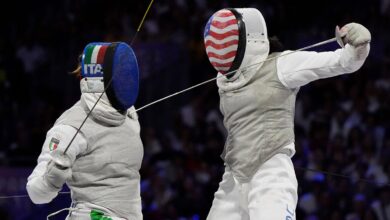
x,y
235,38
111,65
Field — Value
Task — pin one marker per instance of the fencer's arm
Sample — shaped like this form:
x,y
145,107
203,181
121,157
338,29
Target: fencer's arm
x,y
300,68
40,186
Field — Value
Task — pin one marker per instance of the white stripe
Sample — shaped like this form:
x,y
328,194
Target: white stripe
x,y
222,51
224,30
222,68
224,19
214,59
95,53
224,40
224,11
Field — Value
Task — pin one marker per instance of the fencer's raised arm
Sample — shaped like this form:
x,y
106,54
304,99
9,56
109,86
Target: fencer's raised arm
x,y
301,68
53,169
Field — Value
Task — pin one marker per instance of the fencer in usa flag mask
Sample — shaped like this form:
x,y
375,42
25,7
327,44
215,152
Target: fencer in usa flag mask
x,y
236,39
112,66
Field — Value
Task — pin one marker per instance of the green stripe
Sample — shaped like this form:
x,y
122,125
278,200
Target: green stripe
x,y
98,215
88,54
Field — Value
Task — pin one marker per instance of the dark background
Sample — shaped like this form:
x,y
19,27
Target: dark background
x,y
342,123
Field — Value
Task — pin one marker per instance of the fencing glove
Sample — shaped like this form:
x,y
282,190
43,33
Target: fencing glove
x,y
355,34
58,170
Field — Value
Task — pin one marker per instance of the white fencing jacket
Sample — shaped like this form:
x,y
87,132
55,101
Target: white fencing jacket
x,y
258,105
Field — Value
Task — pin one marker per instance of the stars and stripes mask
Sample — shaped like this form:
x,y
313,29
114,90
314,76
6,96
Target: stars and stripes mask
x,y
235,38
112,66
221,40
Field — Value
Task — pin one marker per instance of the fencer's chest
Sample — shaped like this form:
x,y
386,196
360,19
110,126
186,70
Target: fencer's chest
x,y
114,147
253,99
264,96
245,99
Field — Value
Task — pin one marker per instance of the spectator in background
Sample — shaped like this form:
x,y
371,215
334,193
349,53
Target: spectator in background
x,y
30,107
381,206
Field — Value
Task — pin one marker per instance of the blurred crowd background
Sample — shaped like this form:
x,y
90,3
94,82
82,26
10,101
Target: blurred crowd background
x,y
342,124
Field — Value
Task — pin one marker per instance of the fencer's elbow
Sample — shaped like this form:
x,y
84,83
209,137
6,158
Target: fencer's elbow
x,y
34,199
38,201
355,59
36,195
353,68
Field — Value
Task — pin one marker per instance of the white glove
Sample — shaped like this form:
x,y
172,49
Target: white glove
x,y
355,34
58,170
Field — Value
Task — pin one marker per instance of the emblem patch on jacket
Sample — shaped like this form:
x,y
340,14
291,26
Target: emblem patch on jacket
x,y
53,144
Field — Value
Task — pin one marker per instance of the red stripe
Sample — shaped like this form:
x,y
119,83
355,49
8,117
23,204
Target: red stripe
x,y
225,24
102,52
224,14
215,64
223,56
223,36
210,43
234,26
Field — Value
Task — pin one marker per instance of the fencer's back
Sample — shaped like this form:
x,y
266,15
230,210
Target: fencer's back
x,y
259,118
107,174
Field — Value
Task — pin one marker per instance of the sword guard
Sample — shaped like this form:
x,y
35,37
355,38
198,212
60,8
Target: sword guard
x,y
339,36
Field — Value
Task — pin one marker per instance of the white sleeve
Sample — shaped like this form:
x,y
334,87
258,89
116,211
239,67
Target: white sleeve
x,y
57,139
300,68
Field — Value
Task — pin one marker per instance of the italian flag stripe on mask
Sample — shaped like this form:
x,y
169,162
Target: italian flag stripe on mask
x,y
95,54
